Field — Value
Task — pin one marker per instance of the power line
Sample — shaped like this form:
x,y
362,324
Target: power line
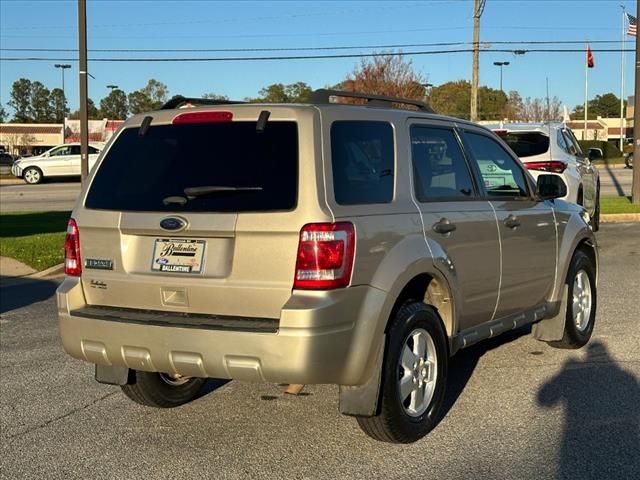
x,y
292,49
311,57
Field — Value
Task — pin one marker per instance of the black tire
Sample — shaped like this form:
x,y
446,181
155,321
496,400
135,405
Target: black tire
x,y
393,423
629,161
595,221
32,175
160,391
575,337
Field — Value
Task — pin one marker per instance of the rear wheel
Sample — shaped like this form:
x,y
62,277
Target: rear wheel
x,y
32,175
629,160
413,378
162,390
581,303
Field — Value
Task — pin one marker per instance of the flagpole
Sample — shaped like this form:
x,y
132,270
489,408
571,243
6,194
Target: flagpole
x,y
586,94
622,81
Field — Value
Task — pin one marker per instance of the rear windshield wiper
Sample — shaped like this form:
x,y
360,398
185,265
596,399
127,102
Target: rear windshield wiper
x,y
193,192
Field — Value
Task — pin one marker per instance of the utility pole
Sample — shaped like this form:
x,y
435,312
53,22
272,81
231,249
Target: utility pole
x,y
84,118
478,7
635,190
624,21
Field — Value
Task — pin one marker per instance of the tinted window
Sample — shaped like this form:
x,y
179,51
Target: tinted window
x,y
93,150
526,144
439,168
60,151
501,174
248,171
363,162
74,150
562,143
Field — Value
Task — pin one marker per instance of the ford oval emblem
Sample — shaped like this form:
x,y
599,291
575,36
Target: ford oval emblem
x,y
173,223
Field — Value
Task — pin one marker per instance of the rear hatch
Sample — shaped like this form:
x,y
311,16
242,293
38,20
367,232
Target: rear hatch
x,y
200,212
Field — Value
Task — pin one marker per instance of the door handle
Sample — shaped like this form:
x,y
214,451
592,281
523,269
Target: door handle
x,y
511,222
444,226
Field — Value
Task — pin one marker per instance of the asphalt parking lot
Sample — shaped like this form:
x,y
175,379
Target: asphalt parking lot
x,y
516,408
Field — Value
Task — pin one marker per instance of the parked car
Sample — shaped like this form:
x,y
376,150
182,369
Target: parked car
x,y
354,245
60,161
552,148
6,159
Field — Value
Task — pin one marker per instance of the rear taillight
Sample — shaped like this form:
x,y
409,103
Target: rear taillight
x,y
325,256
551,166
72,262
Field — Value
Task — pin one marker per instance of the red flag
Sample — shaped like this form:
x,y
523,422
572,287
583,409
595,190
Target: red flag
x,y
590,62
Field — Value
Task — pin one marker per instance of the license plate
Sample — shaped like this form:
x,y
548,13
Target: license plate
x,y
177,255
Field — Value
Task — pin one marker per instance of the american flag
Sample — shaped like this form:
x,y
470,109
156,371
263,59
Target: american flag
x,y
633,23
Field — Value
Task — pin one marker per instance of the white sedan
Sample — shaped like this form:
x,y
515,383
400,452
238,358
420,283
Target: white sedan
x,y
60,161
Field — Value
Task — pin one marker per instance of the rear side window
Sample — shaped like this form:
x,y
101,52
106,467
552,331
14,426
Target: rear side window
x,y
362,159
501,174
208,167
439,168
526,144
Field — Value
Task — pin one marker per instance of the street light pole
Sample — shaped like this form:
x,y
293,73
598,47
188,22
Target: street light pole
x,y
84,118
63,67
112,87
501,64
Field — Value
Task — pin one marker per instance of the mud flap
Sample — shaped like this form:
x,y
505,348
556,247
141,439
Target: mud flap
x,y
112,375
552,329
362,400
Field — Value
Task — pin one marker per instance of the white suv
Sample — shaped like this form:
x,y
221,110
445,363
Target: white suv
x,y
60,161
553,148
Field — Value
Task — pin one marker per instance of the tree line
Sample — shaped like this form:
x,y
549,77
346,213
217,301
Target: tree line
x,y
383,75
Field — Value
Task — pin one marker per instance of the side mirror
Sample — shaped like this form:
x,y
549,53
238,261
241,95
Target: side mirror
x,y
550,187
595,154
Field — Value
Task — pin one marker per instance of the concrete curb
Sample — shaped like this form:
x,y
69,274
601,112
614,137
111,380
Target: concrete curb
x,y
12,181
619,217
49,272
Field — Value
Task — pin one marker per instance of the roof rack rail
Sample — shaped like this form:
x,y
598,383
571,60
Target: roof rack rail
x,y
179,100
322,96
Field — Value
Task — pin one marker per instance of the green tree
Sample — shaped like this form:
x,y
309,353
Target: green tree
x,y
454,99
58,104
41,110
3,114
151,97
92,112
279,93
607,105
114,105
451,98
20,100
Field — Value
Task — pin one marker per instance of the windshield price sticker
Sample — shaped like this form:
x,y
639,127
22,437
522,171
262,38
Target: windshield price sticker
x,y
177,255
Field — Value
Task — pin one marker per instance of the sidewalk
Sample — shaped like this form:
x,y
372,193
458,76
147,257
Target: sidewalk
x,y
13,271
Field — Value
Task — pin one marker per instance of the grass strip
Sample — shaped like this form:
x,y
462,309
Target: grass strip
x,y
34,238
618,205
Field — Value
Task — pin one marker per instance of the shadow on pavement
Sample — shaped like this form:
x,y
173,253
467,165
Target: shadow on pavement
x,y
18,292
614,179
601,437
463,363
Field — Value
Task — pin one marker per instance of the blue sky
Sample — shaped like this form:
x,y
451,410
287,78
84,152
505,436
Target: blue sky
x,y
286,24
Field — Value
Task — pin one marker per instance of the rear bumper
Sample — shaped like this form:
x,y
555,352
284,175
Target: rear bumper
x,y
321,337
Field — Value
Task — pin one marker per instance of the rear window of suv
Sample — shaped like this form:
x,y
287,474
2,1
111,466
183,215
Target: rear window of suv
x,y
208,167
526,144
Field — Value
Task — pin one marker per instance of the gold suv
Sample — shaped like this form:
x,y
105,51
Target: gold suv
x,y
357,245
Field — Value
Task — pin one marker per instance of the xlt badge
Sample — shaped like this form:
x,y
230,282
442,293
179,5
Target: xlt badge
x,y
98,263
